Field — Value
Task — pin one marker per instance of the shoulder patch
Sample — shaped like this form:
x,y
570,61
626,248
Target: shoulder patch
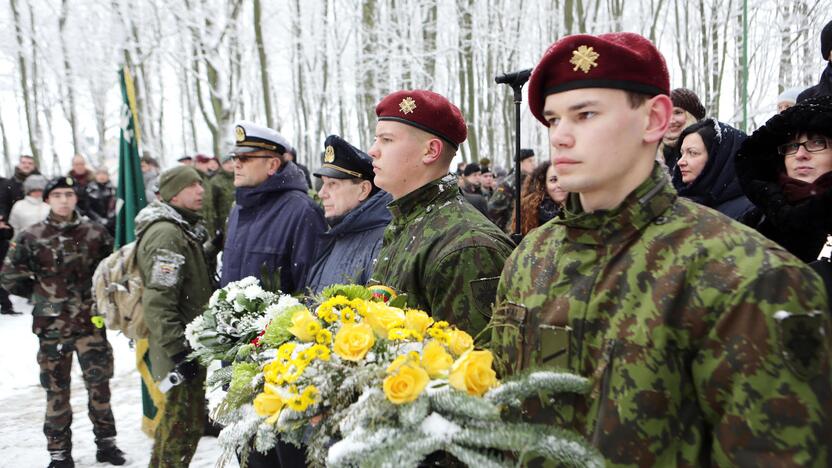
x,y
165,270
802,342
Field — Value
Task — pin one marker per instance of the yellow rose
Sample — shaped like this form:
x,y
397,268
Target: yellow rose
x,y
435,359
382,318
472,373
406,383
353,341
304,325
268,403
417,320
459,342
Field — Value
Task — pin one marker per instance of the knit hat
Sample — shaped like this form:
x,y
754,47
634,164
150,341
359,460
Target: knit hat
x,y
177,179
33,183
526,153
826,40
470,169
689,101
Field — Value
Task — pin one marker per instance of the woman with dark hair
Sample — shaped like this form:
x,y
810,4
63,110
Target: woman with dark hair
x,y
785,168
705,172
543,198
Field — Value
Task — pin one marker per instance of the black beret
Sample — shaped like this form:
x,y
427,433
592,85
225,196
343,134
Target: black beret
x,y
59,182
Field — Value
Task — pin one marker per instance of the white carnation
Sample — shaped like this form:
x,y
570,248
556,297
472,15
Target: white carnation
x,y
253,292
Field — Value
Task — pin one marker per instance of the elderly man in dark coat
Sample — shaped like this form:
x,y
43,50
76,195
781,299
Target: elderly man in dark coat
x,y
274,225
356,211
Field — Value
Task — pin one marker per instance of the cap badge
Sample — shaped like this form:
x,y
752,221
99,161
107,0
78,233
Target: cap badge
x,y
584,58
69,181
407,105
241,133
329,154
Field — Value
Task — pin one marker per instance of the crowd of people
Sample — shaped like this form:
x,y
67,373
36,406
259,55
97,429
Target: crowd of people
x,y
680,264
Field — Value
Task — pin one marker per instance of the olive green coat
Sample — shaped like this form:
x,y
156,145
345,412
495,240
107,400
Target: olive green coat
x,y
176,278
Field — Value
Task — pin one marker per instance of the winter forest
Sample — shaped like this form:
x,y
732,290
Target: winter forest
x,y
312,68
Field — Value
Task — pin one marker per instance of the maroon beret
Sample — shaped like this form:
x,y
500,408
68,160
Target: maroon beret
x,y
624,61
426,111
201,158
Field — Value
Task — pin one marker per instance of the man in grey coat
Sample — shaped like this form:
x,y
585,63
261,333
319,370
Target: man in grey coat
x,y
356,212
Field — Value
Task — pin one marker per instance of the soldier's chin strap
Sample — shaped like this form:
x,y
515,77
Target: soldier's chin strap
x,y
516,80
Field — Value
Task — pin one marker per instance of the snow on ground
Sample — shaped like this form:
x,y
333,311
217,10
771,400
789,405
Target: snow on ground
x,y
23,403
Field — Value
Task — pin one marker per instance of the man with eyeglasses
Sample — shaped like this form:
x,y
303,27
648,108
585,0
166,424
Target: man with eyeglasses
x,y
274,225
785,168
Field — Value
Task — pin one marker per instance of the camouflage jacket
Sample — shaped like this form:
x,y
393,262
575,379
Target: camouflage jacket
x,y
176,278
52,263
440,251
699,334
501,203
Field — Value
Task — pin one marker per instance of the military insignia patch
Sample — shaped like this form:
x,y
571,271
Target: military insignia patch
x,y
329,154
165,270
241,133
407,106
801,339
584,58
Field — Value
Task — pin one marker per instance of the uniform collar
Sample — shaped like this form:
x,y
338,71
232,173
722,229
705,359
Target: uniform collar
x,y
641,207
423,199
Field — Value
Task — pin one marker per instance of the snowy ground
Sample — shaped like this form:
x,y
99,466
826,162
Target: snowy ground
x,y
23,403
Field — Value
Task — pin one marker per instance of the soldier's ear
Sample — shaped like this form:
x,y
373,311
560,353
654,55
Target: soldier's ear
x,y
274,166
659,109
433,151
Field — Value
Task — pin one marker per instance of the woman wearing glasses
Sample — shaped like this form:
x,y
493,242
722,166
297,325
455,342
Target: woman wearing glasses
x,y
705,171
785,168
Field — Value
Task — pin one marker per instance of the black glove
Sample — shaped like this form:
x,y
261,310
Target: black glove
x,y
187,368
219,240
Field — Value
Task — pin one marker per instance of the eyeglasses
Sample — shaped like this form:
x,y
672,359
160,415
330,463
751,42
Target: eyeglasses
x,y
244,158
813,146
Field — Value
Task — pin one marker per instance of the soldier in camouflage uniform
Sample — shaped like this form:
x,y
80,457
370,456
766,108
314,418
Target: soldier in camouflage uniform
x,y
702,339
438,249
52,263
177,285
501,201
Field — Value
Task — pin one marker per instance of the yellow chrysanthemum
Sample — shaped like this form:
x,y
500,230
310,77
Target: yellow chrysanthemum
x,y
401,334
310,395
347,315
360,307
285,351
323,337
320,352
296,403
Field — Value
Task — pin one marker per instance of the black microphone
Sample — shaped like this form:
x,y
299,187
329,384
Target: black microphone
x,y
517,78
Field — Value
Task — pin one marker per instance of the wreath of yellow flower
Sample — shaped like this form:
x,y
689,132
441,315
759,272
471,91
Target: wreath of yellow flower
x,y
348,315
323,337
402,334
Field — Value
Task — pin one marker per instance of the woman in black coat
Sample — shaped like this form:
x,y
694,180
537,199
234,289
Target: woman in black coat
x,y
784,168
705,172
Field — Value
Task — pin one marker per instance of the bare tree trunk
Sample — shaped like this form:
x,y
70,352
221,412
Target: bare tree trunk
x,y
466,78
265,82
367,70
29,106
429,38
68,81
7,158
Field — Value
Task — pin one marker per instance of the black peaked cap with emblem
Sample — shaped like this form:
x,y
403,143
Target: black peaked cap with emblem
x,y
344,161
59,182
249,137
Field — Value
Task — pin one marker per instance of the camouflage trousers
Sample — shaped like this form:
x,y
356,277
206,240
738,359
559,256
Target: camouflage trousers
x,y
96,359
181,426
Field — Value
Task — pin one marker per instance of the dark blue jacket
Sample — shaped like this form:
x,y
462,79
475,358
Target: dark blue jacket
x,y
347,252
274,224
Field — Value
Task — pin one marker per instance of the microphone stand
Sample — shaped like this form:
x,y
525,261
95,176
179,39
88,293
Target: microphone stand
x,y
516,80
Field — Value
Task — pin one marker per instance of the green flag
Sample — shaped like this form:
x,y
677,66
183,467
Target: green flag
x,y
131,199
130,191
